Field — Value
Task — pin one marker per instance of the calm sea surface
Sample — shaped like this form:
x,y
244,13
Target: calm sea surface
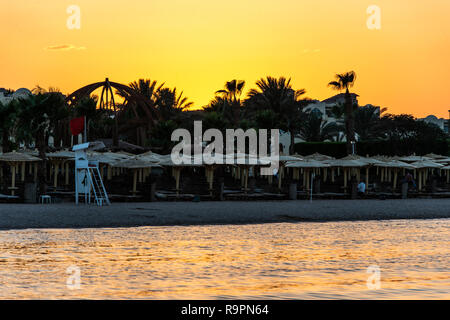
x,y
268,261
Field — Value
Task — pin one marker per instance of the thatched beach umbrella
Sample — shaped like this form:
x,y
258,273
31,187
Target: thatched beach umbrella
x,y
413,158
282,160
211,162
107,159
427,164
151,157
443,161
13,159
32,166
308,166
241,164
156,158
244,162
187,161
434,156
447,170
369,163
60,158
135,164
395,166
124,153
348,166
318,157
423,167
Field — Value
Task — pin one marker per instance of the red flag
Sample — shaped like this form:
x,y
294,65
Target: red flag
x,y
77,126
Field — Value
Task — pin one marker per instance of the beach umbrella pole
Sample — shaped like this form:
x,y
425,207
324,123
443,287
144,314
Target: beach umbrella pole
x,y
367,180
279,178
13,179
23,171
420,180
55,176
211,181
177,181
134,181
345,179
66,172
395,180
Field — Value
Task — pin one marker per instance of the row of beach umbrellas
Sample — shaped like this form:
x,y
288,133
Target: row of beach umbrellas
x,y
142,164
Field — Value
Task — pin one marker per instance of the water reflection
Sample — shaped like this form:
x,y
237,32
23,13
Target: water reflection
x,y
284,261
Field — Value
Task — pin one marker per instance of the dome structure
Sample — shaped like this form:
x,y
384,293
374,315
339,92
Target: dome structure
x,y
21,93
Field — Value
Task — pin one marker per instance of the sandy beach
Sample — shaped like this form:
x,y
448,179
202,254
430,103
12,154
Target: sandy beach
x,y
21,216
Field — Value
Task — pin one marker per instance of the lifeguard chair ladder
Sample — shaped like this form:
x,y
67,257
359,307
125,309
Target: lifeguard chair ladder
x,y
96,181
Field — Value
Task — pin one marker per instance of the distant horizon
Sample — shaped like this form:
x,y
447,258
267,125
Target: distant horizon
x,y
198,45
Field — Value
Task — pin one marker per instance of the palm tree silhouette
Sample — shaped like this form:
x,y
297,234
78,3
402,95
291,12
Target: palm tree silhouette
x,y
233,90
37,119
170,103
366,121
271,93
229,99
344,82
8,120
146,87
314,129
141,122
286,103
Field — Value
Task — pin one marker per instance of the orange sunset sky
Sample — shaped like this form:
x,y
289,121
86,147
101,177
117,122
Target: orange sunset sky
x,y
197,45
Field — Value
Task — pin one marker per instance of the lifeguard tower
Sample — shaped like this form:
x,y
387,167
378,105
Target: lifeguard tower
x,y
87,175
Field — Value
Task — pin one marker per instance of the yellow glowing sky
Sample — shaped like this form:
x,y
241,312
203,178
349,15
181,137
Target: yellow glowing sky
x,y
196,45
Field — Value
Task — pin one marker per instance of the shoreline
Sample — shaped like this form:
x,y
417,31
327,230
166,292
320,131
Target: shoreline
x,y
123,215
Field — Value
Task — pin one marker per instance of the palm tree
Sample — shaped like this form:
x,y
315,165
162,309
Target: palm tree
x,y
366,121
344,82
233,90
146,87
8,120
278,96
218,104
160,136
314,129
337,112
264,119
37,120
230,100
291,115
271,93
181,103
135,115
171,104
229,111
215,120
59,117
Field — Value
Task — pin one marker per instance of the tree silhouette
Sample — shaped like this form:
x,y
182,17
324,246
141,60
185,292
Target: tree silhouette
x,y
286,104
344,82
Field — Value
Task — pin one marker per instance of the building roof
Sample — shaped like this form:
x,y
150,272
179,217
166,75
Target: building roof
x,y
339,96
